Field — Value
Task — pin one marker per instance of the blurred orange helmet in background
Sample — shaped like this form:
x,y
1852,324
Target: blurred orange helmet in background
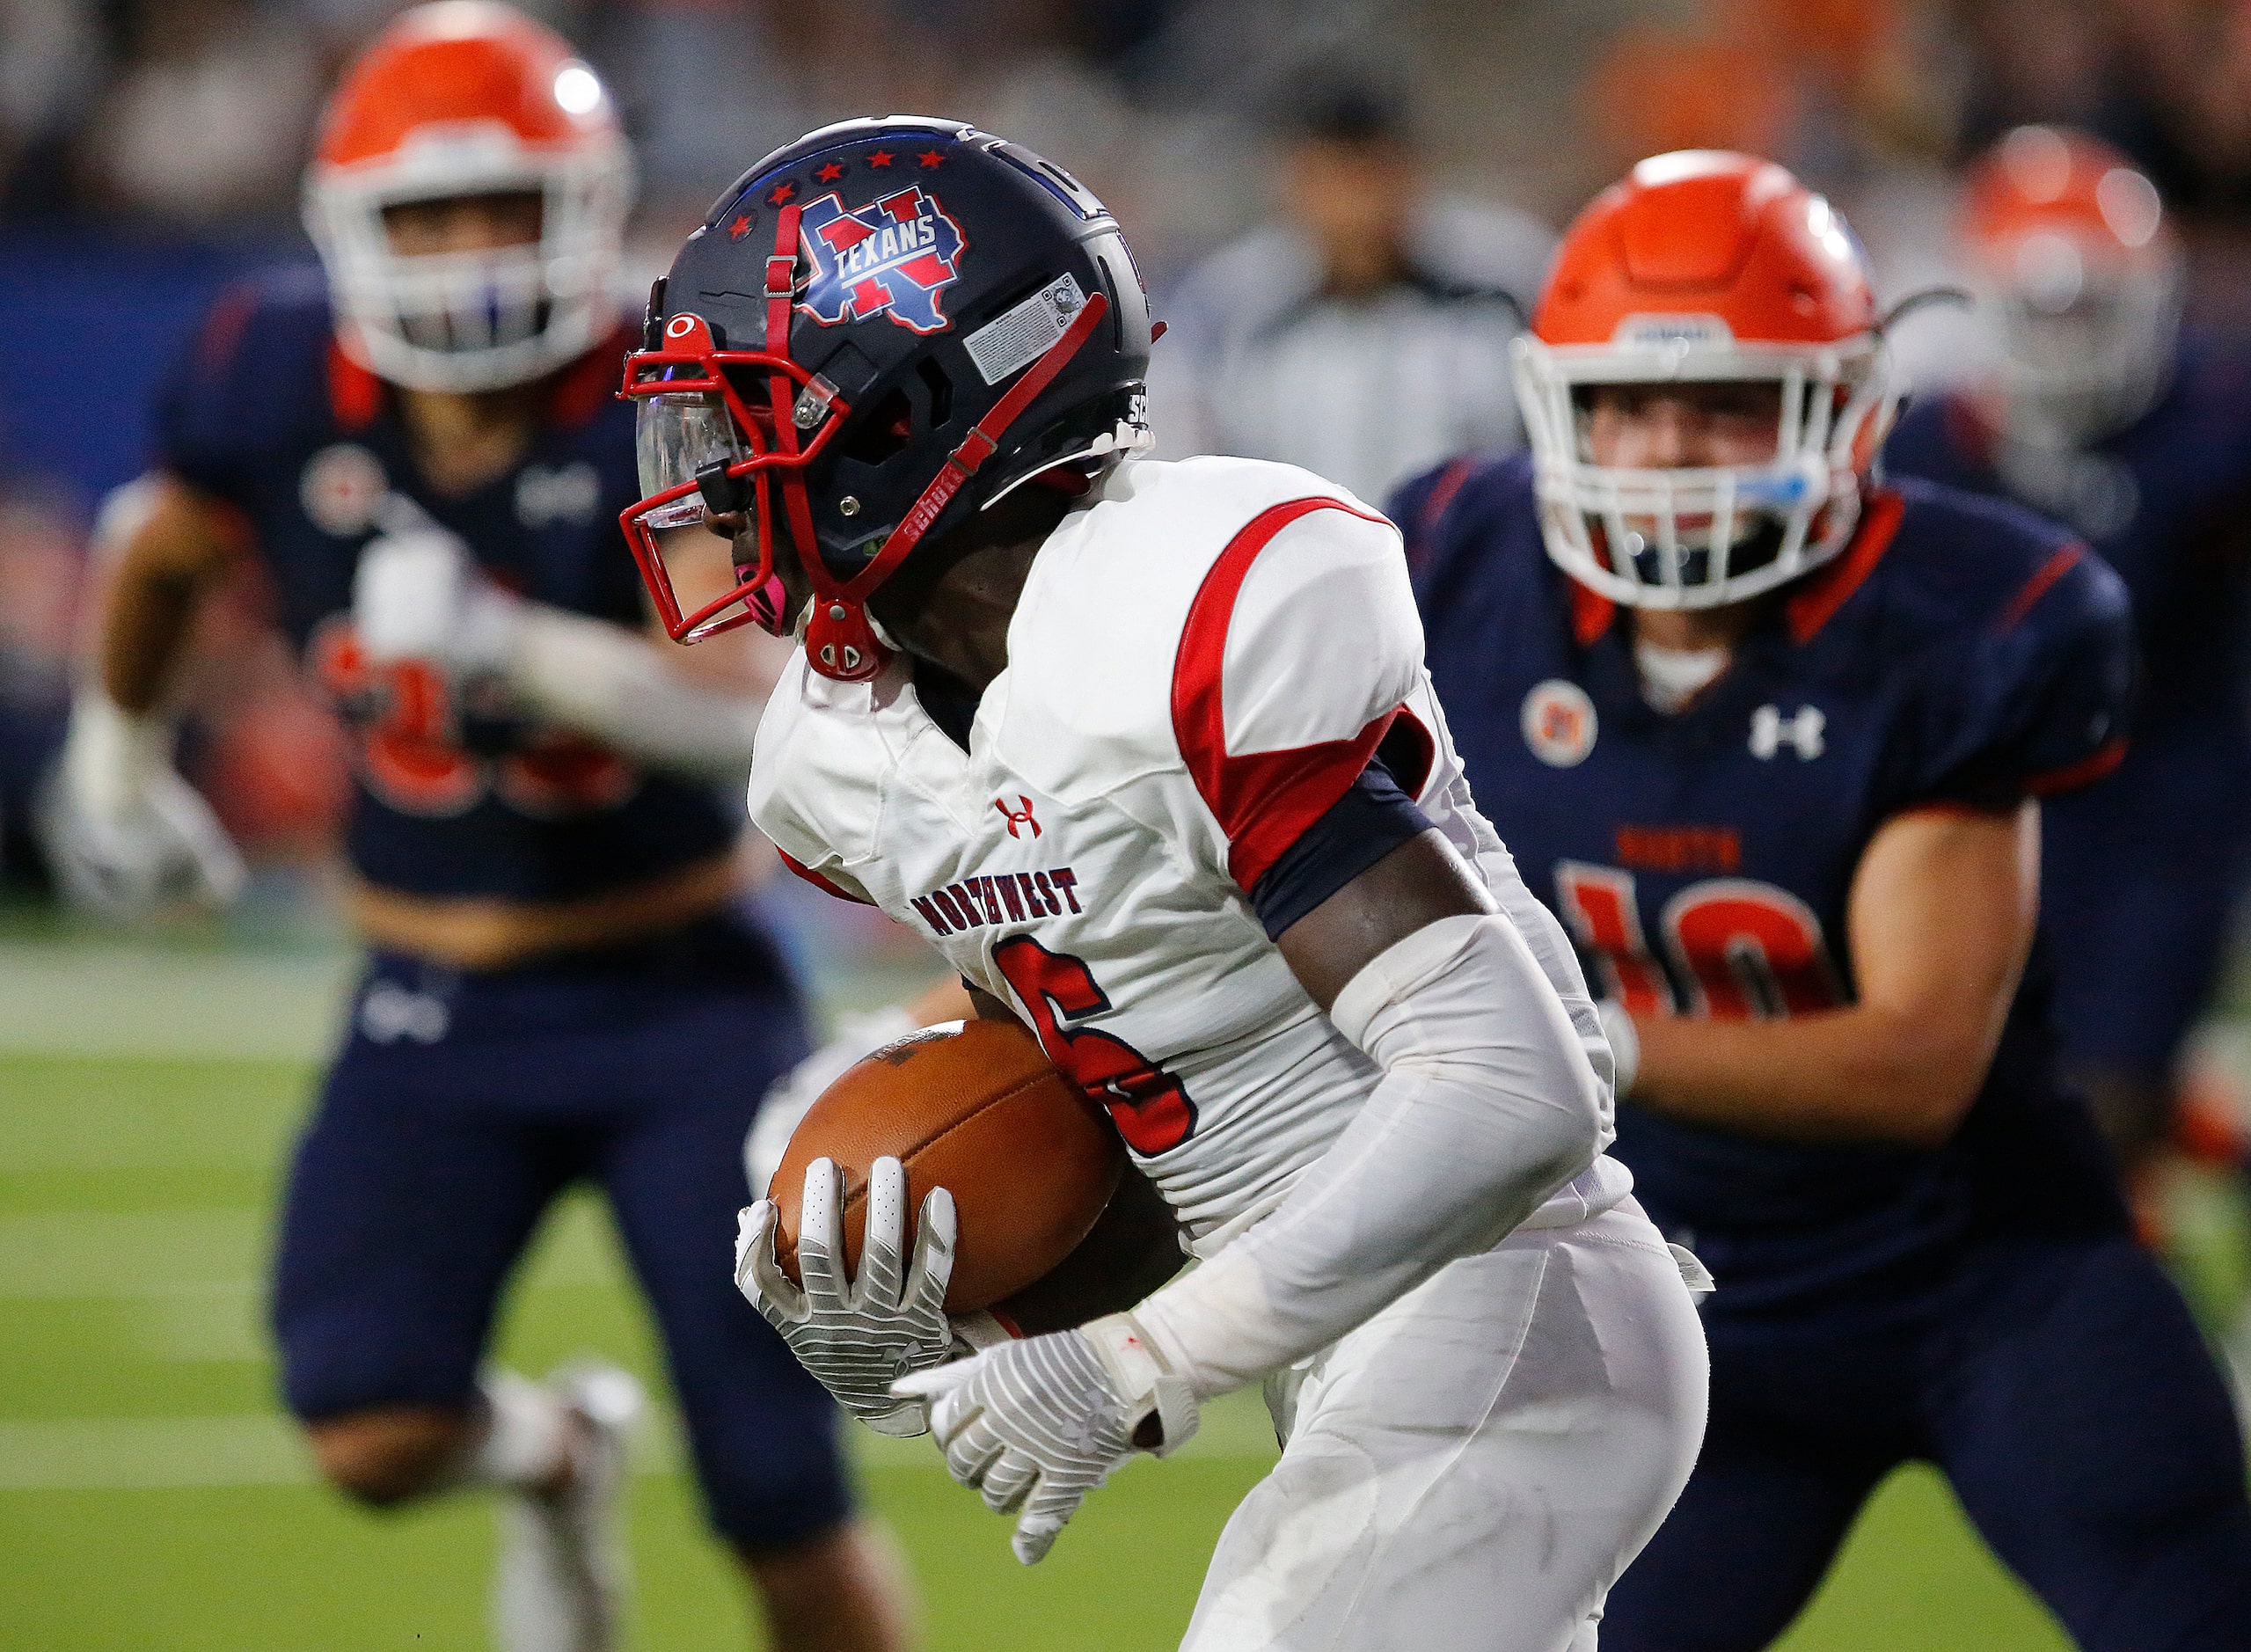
x,y
2080,273
1704,266
466,98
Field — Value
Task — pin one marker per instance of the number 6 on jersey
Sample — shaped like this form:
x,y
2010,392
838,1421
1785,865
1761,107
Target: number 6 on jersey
x,y
1151,1106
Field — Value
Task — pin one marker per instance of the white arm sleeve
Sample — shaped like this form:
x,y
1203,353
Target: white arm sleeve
x,y
417,592
1487,1105
602,680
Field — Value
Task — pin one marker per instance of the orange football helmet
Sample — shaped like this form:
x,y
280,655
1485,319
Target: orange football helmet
x,y
2081,274
468,97
1704,266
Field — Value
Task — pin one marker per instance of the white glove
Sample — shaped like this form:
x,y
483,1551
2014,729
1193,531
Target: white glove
x,y
127,837
1037,1425
857,1336
420,595
1624,1046
793,1094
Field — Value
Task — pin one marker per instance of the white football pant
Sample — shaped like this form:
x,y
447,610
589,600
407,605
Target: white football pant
x,y
1474,1467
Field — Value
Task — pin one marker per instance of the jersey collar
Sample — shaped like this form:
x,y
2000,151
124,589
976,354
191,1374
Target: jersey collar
x,y
1815,603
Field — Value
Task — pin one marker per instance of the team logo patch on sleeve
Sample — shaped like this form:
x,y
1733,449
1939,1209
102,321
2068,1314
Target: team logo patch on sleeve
x,y
341,489
893,257
1559,723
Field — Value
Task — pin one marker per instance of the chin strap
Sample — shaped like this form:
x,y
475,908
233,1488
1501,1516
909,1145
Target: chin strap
x,y
841,638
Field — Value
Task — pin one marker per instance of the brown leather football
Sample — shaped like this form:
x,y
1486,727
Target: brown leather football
x,y
977,1109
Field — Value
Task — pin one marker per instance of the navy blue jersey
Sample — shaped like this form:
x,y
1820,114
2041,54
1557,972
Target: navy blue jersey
x,y
267,415
1960,653
2167,502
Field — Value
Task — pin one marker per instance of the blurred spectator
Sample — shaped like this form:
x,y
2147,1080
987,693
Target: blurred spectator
x,y
2038,60
208,116
1363,333
49,52
708,92
1661,88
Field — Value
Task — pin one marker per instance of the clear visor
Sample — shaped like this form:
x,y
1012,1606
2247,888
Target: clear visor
x,y
676,436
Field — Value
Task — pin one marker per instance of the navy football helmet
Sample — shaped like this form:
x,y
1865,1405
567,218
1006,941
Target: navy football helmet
x,y
880,331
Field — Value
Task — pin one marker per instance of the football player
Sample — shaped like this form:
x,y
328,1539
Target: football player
x,y
1147,752
427,461
2101,414
1770,738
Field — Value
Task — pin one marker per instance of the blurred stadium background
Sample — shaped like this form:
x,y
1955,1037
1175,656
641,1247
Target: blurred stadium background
x,y
151,1495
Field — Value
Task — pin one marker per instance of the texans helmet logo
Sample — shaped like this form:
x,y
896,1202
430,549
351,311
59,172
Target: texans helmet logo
x,y
894,257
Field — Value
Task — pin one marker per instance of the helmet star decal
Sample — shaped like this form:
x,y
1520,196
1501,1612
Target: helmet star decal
x,y
894,257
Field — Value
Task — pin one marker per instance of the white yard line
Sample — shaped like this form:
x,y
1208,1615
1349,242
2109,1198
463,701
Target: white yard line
x,y
124,998
160,1453
51,1255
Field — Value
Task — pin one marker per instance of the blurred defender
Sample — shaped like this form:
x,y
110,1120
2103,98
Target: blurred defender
x,y
430,463
2103,416
1769,737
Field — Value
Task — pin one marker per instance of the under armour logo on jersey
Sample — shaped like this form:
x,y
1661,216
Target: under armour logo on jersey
x,y
1770,731
388,1012
1016,817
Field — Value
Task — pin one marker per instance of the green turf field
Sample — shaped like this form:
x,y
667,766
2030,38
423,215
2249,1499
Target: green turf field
x,y
151,1499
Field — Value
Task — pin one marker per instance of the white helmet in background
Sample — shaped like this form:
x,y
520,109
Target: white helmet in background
x,y
2082,276
456,98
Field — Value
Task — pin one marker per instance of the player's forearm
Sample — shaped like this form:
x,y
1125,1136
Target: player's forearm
x,y
600,680
1864,1074
162,549
1487,1105
144,633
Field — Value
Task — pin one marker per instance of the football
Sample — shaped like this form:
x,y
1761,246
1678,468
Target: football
x,y
975,1107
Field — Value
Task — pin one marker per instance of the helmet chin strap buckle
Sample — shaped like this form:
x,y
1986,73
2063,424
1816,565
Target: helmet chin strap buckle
x,y
842,641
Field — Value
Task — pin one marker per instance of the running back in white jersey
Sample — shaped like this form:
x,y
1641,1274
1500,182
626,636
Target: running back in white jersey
x,y
1203,660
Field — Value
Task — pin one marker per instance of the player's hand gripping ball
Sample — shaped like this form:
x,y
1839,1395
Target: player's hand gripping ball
x,y
856,1334
824,1256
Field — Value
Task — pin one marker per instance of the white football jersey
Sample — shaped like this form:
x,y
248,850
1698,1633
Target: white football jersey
x,y
1203,659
